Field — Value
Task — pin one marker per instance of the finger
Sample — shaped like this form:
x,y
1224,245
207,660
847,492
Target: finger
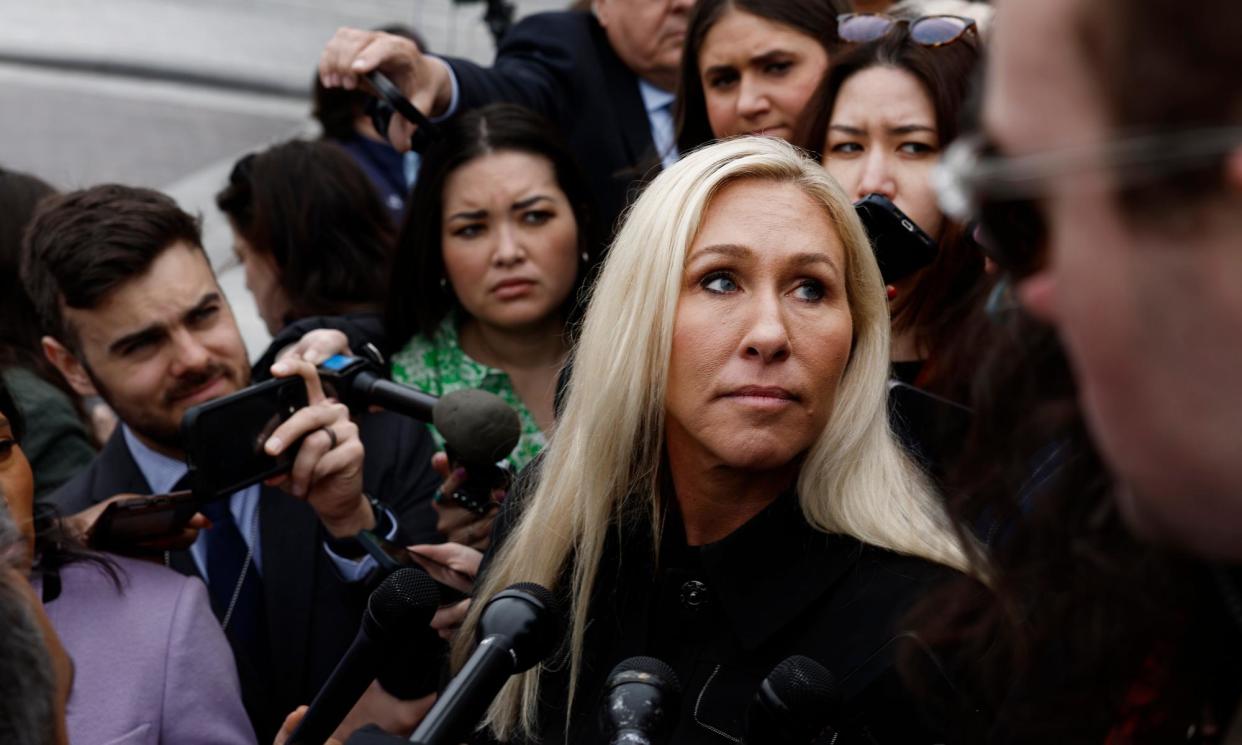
x,y
345,460
308,419
323,344
455,556
448,619
290,367
340,53
453,481
453,518
290,724
320,457
199,522
440,464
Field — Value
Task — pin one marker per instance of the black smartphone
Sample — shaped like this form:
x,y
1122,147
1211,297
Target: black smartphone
x,y
129,521
389,99
224,438
901,247
390,557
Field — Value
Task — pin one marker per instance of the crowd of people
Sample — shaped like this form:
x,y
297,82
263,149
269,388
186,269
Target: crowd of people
x,y
997,498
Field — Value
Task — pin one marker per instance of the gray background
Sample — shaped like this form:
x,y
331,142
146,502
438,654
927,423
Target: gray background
x,y
168,93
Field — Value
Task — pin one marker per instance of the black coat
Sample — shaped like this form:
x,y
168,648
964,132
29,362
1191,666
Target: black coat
x,y
561,65
313,615
724,615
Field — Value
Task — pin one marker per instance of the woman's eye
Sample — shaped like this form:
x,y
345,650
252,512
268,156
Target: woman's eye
x,y
722,80
719,283
846,148
810,290
916,148
468,231
6,447
536,217
777,68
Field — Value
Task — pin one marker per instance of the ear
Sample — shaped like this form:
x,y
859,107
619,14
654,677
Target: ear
x,y
1233,171
601,10
67,362
1038,294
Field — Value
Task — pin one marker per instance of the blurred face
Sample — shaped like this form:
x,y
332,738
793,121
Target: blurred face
x,y
763,331
1149,314
510,240
263,281
882,139
159,344
17,485
647,35
758,75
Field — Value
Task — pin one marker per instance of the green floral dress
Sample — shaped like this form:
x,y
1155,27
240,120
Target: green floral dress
x,y
439,366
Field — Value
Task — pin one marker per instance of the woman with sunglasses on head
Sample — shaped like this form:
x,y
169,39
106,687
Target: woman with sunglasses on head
x,y
884,114
751,66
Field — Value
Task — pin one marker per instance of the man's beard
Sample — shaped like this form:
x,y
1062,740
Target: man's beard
x,y
152,424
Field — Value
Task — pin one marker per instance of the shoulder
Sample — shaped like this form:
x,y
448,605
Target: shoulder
x,y
569,21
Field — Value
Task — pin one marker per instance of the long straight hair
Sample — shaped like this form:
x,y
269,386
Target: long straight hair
x,y
602,463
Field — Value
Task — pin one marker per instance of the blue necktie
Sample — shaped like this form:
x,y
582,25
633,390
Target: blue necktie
x,y
236,599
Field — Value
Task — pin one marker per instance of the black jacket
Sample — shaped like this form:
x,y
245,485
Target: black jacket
x,y
313,615
561,65
724,615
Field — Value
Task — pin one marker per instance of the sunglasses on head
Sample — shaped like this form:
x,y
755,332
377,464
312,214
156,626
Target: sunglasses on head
x,y
929,31
1004,195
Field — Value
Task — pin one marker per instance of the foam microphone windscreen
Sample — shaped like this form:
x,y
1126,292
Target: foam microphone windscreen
x,y
479,427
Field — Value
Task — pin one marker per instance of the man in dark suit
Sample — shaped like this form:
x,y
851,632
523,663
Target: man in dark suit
x,y
135,314
605,78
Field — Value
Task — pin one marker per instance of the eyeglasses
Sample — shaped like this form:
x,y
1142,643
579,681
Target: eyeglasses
x,y
929,31
1002,194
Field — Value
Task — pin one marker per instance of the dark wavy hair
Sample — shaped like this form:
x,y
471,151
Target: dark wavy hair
x,y
940,301
315,212
815,18
20,326
417,303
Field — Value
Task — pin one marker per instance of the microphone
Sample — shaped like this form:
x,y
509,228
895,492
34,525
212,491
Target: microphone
x,y
478,427
795,704
519,627
406,600
640,702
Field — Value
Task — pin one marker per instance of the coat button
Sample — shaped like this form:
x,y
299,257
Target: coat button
x,y
693,594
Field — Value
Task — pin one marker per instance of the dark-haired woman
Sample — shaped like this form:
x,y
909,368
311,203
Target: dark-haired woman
x,y
58,443
751,67
881,119
317,248
151,664
494,251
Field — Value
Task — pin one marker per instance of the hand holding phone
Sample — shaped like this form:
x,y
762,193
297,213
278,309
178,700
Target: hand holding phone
x,y
139,525
901,247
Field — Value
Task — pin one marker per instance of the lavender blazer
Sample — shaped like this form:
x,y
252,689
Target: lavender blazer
x,y
151,664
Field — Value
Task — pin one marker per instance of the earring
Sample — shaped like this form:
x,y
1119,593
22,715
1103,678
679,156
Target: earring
x,y
585,257
444,283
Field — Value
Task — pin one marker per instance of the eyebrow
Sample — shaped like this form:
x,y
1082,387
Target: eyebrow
x,y
758,59
518,205
903,129
156,331
736,251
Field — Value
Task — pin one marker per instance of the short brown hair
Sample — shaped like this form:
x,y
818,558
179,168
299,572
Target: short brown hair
x,y
84,244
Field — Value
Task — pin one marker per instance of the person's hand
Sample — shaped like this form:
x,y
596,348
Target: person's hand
x,y
291,723
327,471
379,707
454,565
456,523
81,526
316,346
426,81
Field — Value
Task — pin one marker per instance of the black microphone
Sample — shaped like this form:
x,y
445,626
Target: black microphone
x,y
478,427
405,601
519,627
796,704
640,702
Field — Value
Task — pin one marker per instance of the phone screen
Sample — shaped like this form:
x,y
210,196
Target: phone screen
x,y
224,438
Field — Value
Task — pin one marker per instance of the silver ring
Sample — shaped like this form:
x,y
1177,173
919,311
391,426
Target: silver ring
x,y
331,436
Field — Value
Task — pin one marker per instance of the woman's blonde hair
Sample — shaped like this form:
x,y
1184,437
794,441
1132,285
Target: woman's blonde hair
x,y
602,463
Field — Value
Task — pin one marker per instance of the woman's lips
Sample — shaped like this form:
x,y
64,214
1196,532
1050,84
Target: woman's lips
x,y
512,288
763,397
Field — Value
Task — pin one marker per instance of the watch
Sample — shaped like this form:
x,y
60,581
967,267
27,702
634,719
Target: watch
x,y
348,547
